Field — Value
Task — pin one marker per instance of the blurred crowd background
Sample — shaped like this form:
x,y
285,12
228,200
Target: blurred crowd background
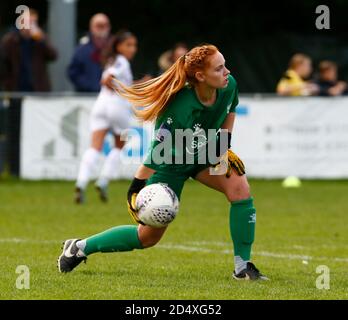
x,y
259,41
270,48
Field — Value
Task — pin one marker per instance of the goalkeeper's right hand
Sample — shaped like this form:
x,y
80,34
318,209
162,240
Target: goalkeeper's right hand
x,y
230,161
134,188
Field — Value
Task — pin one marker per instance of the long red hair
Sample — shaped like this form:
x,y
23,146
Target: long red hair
x,y
151,97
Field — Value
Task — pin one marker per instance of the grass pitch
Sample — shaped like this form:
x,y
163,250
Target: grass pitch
x,y
297,230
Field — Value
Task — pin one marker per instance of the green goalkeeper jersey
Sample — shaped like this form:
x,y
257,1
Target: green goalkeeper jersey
x,y
185,111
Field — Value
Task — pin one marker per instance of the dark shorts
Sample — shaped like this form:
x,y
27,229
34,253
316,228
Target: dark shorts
x,y
174,180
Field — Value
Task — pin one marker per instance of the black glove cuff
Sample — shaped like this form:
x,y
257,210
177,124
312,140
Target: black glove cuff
x,y
229,139
136,186
218,151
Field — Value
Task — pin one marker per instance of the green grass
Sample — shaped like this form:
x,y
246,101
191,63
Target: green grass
x,y
193,260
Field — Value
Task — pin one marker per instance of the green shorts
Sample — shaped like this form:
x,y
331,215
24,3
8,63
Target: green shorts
x,y
175,181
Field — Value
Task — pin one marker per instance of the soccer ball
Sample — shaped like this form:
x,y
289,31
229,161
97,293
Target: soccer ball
x,y
157,205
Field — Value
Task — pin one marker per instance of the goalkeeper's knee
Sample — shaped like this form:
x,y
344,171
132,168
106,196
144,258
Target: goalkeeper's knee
x,y
239,189
149,236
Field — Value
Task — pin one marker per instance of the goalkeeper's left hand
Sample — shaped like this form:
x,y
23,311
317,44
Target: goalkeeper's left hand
x,y
231,161
134,188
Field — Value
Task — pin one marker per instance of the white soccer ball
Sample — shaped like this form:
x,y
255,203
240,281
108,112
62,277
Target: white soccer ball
x,y
157,205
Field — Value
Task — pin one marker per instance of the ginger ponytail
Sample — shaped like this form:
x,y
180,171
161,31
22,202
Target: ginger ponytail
x,y
151,97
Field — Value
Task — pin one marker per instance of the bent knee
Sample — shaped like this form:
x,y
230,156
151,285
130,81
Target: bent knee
x,y
149,237
238,191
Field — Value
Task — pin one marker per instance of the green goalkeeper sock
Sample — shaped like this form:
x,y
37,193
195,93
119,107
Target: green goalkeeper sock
x,y
121,238
242,227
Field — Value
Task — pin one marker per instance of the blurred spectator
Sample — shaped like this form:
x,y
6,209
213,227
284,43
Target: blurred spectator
x,y
25,54
328,80
294,81
85,68
167,59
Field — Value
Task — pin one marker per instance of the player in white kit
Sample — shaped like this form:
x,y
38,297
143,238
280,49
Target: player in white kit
x,y
110,113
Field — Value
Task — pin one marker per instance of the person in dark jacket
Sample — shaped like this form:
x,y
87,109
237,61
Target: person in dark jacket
x,y
25,54
328,80
85,68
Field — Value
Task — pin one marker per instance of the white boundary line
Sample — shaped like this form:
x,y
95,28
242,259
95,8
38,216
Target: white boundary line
x,y
288,256
29,241
195,248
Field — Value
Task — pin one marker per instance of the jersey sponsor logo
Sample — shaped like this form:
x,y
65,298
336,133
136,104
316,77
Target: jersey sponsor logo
x,y
196,145
199,139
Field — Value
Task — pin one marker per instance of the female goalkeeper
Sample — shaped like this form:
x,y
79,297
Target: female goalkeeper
x,y
196,93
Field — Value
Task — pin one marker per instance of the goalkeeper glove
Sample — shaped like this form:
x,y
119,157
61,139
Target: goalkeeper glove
x,y
234,163
134,188
230,161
